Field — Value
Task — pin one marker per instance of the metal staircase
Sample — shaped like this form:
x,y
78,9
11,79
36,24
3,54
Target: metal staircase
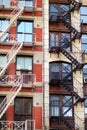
x,y
13,16
10,55
11,95
76,64
75,4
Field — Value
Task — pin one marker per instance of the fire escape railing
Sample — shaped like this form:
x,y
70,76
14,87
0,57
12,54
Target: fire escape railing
x,y
13,16
76,64
28,80
10,55
18,125
19,81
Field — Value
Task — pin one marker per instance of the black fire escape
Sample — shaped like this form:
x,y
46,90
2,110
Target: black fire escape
x,y
76,65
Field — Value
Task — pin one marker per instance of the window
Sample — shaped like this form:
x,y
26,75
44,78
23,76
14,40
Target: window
x,y
28,3
58,71
23,109
25,32
58,10
84,43
86,107
3,25
24,64
54,71
66,69
67,104
3,61
53,39
83,14
54,105
5,3
85,73
58,38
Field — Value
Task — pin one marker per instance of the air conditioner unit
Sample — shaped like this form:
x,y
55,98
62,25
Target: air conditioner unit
x,y
85,79
28,85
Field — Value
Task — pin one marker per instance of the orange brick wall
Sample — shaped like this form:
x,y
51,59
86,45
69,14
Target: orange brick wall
x,y
37,116
38,71
10,114
38,32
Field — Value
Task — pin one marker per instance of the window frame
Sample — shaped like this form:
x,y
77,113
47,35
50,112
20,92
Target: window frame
x,y
23,115
82,14
60,73
24,70
25,33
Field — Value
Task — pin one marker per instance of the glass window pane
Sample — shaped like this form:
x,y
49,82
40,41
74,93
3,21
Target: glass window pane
x,y
54,67
83,13
20,63
54,105
84,43
3,61
24,63
67,103
25,31
28,63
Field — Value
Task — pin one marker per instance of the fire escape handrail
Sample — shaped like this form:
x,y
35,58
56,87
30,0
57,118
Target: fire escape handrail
x,y
15,16
11,54
10,96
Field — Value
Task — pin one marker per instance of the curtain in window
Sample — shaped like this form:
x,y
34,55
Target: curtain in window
x,y
54,105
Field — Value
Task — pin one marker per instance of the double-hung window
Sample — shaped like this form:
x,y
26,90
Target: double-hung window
x,y
83,14
3,24
23,108
85,73
3,61
25,32
54,106
24,64
26,3
5,3
84,43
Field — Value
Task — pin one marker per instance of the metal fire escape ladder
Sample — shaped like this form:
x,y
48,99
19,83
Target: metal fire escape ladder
x,y
11,95
15,14
75,4
10,55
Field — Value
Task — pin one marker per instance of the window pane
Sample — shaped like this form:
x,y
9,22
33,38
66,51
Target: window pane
x,y
28,63
67,103
84,42
54,105
3,61
24,63
83,13
25,31
20,63
53,39
25,3
23,106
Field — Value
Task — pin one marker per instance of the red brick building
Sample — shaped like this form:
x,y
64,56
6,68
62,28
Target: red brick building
x,y
21,63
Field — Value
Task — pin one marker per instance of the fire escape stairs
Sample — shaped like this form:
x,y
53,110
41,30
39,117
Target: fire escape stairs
x,y
17,46
75,33
11,95
75,4
10,55
14,15
74,94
